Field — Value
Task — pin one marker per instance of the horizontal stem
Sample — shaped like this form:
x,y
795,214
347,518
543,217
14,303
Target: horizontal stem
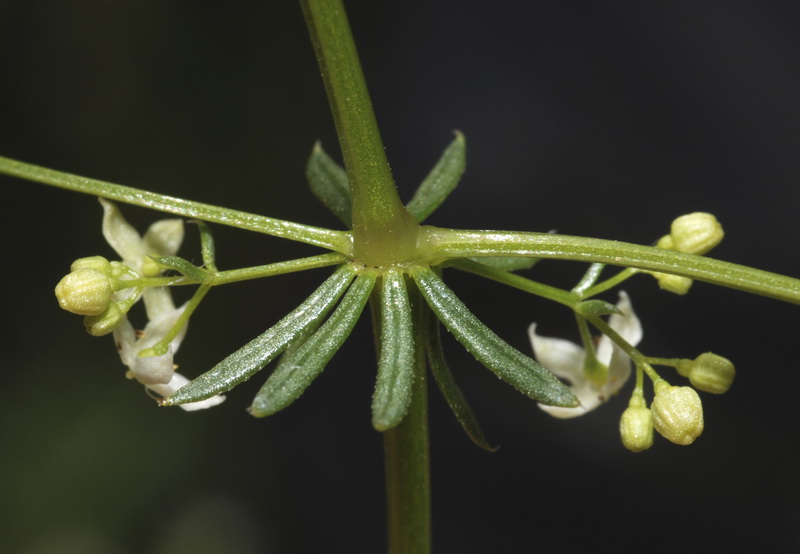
x,y
438,245
338,241
277,268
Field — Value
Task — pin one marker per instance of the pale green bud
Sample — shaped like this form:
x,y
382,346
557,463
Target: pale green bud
x,y
93,262
696,233
709,372
84,292
103,324
636,426
665,242
150,267
675,284
677,413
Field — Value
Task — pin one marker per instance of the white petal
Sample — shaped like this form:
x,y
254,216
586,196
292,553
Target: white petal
x,y
151,370
619,364
562,357
176,383
588,395
626,324
157,302
125,339
164,237
122,237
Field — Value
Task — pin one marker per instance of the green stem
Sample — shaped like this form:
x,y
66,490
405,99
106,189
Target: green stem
x,y
437,245
407,458
611,282
236,275
517,281
383,230
277,268
337,241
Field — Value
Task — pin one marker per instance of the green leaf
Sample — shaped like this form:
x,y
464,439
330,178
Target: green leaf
x,y
396,361
298,368
328,182
509,364
184,267
506,263
597,308
441,181
248,360
450,389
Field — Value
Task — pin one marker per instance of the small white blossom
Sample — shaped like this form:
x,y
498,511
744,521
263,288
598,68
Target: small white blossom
x,y
163,238
567,361
157,373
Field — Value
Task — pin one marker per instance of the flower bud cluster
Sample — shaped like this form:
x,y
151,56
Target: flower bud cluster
x,y
89,289
676,412
695,233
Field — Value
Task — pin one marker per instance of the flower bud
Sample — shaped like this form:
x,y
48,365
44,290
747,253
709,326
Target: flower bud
x,y
84,292
677,413
675,284
93,262
665,242
103,324
696,233
708,372
636,426
150,267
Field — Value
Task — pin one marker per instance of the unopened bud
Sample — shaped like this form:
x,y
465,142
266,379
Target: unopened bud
x,y
636,426
150,267
102,324
93,262
677,413
84,292
696,233
709,372
665,242
675,284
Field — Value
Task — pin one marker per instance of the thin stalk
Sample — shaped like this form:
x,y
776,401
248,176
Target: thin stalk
x,y
277,268
235,275
406,451
337,241
383,230
517,281
437,245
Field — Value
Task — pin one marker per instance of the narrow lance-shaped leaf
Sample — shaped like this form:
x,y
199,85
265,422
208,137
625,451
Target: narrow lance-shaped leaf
x,y
297,369
328,182
441,181
184,267
450,389
245,362
396,361
596,308
508,363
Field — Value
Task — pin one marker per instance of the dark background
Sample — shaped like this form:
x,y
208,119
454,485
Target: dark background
x,y
604,119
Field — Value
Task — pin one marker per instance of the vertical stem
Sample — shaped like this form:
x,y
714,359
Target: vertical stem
x,y
382,228
408,461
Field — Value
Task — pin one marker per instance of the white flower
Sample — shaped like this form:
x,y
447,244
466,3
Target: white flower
x,y
163,238
566,360
157,373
